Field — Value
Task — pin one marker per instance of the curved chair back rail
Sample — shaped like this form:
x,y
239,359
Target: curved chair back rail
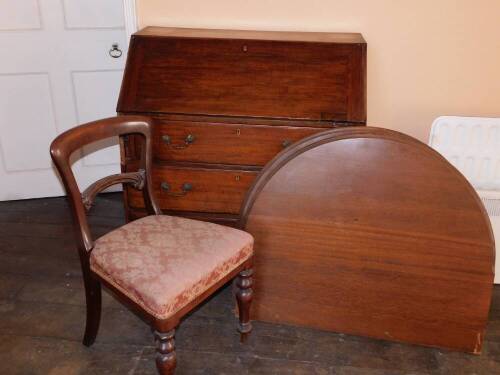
x,y
368,231
76,138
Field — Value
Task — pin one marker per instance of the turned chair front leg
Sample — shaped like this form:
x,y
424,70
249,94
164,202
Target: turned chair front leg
x,y
166,359
244,296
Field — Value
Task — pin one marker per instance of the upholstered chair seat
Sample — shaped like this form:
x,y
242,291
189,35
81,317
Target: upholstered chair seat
x,y
163,262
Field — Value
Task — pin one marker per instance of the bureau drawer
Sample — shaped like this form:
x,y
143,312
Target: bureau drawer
x,y
223,143
197,189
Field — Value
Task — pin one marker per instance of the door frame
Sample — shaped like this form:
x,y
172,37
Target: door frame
x,y
130,13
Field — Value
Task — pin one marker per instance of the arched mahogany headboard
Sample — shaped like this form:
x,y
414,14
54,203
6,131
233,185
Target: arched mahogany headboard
x,y
370,232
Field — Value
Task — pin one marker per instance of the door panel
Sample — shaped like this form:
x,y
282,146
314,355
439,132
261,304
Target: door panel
x,y
57,73
21,15
17,90
93,14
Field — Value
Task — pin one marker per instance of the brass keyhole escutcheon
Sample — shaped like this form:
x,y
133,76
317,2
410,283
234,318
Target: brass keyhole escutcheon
x,y
245,48
238,132
237,178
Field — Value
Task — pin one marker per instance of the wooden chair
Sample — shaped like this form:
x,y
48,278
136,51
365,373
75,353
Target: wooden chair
x,y
160,266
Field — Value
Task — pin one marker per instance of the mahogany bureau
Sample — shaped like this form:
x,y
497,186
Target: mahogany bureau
x,y
225,102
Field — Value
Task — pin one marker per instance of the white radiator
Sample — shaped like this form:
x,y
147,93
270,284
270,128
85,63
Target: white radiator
x,y
472,145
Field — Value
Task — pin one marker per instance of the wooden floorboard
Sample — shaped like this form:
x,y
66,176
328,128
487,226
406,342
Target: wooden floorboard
x,y
42,317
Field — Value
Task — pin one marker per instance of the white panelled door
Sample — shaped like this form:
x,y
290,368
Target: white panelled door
x,y
56,72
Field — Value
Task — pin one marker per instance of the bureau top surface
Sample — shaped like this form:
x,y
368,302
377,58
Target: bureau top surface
x,y
290,36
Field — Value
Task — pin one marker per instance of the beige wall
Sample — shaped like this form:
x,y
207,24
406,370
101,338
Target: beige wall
x,y
425,57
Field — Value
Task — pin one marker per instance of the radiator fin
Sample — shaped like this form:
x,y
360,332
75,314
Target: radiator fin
x,y
492,206
472,145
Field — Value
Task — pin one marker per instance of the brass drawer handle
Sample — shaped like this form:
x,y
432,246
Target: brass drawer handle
x,y
186,188
286,143
188,141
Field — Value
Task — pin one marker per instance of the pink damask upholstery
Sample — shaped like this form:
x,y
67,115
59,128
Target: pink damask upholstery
x,y
164,262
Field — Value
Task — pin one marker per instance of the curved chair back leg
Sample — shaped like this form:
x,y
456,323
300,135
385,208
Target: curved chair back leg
x,y
93,297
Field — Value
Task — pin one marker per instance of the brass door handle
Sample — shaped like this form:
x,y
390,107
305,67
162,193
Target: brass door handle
x,y
188,141
186,188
